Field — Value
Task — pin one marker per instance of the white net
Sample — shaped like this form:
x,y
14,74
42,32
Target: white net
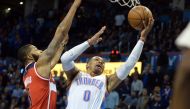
x,y
129,3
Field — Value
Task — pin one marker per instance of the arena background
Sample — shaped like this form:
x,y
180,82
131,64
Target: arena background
x,y
35,21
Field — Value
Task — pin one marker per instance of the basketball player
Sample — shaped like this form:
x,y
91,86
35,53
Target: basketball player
x,y
87,90
38,64
181,95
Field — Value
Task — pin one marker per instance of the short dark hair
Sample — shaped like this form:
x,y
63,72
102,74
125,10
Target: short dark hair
x,y
89,60
23,52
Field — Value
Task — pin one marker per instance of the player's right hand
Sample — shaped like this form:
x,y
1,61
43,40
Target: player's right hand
x,y
96,38
77,2
147,29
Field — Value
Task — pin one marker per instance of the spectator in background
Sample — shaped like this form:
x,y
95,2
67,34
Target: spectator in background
x,y
131,100
14,103
62,84
155,100
1,84
147,78
158,76
3,105
122,105
143,100
124,89
62,92
119,19
166,94
55,76
112,100
24,102
10,85
136,70
4,101
137,84
165,80
60,100
143,59
163,60
18,91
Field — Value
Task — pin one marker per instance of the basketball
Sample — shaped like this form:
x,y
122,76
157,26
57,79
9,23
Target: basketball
x,y
137,15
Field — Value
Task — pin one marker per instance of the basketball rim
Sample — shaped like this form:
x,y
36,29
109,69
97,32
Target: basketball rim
x,y
128,3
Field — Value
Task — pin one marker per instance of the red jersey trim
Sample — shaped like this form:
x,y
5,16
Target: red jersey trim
x,y
49,97
39,74
28,65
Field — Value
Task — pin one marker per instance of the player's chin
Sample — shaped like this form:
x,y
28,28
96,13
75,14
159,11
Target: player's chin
x,y
97,72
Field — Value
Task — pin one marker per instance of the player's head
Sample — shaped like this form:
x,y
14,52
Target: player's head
x,y
145,92
95,65
28,52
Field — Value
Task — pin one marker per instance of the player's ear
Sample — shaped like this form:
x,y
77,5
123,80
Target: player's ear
x,y
87,65
29,54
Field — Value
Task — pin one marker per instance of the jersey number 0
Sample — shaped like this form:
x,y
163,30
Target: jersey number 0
x,y
87,95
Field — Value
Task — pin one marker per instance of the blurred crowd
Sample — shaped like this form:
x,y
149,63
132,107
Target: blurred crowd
x,y
38,28
149,90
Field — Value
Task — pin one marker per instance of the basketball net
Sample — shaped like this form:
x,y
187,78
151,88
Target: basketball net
x,y
129,3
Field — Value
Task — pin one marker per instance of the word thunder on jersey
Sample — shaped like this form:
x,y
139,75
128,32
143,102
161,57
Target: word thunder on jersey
x,y
86,92
42,92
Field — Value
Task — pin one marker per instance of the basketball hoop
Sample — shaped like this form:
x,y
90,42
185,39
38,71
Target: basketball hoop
x,y
129,3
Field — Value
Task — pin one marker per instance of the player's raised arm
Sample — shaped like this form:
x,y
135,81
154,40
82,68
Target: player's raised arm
x,y
58,53
115,79
68,57
44,62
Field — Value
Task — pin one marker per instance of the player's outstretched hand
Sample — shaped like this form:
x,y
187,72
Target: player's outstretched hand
x,y
96,38
77,2
147,29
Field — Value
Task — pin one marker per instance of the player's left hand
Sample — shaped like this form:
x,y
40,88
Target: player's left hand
x,y
96,38
147,29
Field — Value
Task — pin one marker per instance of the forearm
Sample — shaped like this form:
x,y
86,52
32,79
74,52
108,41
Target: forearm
x,y
115,79
62,30
65,25
57,55
113,82
68,57
124,70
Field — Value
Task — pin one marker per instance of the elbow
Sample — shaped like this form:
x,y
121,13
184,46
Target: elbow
x,y
129,66
64,58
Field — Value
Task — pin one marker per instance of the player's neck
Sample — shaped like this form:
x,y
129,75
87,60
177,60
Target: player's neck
x,y
90,72
28,62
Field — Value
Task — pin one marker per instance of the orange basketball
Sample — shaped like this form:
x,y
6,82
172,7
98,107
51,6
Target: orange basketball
x,y
137,15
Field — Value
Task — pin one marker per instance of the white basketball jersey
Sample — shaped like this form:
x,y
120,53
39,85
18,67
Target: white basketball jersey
x,y
86,92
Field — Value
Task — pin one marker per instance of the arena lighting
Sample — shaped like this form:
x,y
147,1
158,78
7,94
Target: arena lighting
x,y
7,10
21,3
117,52
112,52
